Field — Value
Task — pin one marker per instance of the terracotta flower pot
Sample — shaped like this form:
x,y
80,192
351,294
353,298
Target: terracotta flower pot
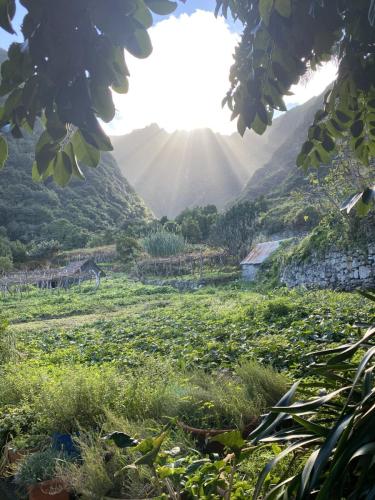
x,y
14,455
53,489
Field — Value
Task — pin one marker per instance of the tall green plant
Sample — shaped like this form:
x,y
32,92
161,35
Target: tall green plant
x,y
164,244
332,434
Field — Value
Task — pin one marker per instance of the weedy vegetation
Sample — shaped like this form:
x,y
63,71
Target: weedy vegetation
x,y
163,391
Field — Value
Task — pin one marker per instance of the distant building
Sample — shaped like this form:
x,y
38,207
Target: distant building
x,y
259,254
62,277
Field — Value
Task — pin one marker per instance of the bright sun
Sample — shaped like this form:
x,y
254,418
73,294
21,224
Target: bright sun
x,y
181,85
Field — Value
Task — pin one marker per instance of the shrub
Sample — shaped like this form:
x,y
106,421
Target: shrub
x,y
172,227
127,248
277,308
263,384
216,401
8,347
43,249
163,244
91,479
38,467
6,264
76,397
18,251
103,472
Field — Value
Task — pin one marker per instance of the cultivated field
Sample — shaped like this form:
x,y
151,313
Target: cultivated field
x,y
130,357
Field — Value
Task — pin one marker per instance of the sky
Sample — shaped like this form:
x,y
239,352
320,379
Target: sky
x,y
181,85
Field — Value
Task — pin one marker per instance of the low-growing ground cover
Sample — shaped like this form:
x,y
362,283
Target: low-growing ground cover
x,y
130,357
208,328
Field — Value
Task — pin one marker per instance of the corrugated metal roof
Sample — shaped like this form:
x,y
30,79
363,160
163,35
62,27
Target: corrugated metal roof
x,y
261,252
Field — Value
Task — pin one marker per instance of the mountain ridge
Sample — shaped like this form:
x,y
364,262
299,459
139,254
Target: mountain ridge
x,y
174,171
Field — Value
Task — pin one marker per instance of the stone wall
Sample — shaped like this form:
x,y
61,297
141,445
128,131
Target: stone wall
x,y
336,269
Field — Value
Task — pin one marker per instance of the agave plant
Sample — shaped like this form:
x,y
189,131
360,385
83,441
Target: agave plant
x,y
331,435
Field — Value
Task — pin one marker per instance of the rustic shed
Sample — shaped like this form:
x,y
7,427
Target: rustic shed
x,y
259,254
62,277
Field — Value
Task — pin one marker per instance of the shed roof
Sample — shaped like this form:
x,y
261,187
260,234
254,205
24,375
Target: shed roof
x,y
261,252
77,268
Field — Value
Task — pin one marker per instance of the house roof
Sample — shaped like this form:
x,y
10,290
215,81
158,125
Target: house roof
x,y
261,252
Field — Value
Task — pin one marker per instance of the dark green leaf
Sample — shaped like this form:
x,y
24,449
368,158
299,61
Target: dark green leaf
x,y
7,10
102,101
121,439
85,153
357,128
62,169
284,7
139,44
265,9
161,7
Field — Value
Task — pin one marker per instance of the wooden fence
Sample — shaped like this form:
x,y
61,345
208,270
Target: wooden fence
x,y
180,265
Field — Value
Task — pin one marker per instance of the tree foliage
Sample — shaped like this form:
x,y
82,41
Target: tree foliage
x,y
283,40
32,211
235,229
71,59
196,222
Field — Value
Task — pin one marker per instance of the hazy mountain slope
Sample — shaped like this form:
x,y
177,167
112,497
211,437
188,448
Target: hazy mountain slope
x,y
280,174
184,169
105,199
179,170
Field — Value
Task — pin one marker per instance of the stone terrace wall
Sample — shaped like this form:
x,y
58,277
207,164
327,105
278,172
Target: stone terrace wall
x,y
336,269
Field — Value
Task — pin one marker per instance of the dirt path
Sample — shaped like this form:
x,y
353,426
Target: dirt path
x,y
70,322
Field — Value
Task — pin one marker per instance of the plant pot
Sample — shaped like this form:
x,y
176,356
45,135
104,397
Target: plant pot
x,y
53,489
14,455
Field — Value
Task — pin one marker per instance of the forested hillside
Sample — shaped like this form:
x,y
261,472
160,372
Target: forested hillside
x,y
185,169
279,174
30,210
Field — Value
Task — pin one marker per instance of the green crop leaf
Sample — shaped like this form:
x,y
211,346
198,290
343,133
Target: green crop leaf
x,y
76,169
97,138
232,440
297,408
267,469
143,15
326,449
150,457
357,128
272,420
